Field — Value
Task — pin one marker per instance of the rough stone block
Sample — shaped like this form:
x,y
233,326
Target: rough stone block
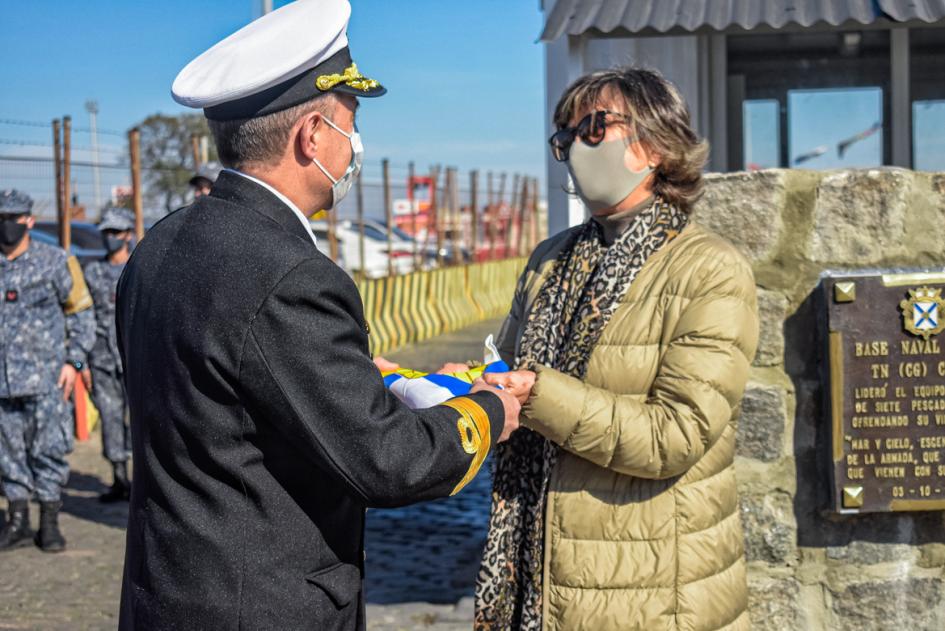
x,y
772,309
745,208
762,422
916,604
770,528
774,603
867,552
876,538
860,216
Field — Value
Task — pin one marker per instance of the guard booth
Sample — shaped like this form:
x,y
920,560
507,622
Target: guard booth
x,y
771,83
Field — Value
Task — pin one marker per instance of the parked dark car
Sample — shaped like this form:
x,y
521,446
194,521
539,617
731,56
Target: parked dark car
x,y
87,242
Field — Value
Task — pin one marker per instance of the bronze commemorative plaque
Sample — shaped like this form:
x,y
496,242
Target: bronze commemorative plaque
x,y
886,390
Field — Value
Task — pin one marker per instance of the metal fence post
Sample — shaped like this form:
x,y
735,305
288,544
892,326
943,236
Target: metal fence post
x,y
414,211
510,224
332,225
474,210
524,203
435,210
359,195
388,213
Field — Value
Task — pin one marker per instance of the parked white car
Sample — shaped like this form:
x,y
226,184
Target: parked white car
x,y
375,247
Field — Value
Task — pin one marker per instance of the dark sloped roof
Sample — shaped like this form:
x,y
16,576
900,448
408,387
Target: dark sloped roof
x,y
574,17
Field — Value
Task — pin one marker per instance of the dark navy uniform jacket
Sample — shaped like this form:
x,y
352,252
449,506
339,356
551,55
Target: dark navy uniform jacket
x,y
261,429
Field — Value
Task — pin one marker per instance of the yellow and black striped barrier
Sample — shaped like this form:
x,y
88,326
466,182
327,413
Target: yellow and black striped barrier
x,y
401,310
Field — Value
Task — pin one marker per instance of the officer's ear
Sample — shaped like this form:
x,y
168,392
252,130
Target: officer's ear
x,y
312,127
30,222
308,134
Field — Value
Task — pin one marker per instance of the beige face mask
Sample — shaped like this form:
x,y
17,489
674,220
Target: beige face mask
x,y
601,175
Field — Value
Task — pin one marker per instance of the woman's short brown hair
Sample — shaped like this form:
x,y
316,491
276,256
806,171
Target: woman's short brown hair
x,y
659,118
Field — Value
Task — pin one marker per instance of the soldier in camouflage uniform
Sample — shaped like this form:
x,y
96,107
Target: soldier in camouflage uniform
x,y
46,331
108,391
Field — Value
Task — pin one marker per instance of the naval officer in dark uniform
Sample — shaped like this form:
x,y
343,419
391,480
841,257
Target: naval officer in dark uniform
x,y
261,430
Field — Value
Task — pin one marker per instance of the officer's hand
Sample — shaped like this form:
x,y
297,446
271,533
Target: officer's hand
x,y
518,383
67,377
451,367
385,364
509,402
87,378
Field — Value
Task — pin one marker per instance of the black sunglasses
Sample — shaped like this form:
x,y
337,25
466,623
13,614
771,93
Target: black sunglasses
x,y
590,129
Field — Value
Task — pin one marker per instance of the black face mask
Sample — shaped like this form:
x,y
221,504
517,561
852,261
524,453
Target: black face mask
x,y
113,244
11,232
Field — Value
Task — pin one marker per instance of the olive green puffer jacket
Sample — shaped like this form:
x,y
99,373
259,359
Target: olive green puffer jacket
x,y
642,528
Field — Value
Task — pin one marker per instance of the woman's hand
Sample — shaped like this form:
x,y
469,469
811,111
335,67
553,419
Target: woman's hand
x,y
450,367
518,383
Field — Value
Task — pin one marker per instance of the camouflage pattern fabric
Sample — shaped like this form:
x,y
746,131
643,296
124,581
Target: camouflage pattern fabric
x,y
36,337
108,395
35,436
102,279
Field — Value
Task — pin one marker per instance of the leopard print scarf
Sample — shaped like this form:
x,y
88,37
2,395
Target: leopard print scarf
x,y
573,306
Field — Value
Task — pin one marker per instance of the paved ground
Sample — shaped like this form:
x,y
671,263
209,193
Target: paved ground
x,y
421,561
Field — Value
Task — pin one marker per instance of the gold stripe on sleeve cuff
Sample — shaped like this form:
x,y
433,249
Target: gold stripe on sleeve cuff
x,y
474,434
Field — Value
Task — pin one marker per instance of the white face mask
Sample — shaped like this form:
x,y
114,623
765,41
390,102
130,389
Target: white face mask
x,y
341,186
601,175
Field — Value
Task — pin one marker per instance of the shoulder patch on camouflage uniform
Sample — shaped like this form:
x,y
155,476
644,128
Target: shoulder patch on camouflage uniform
x,y
79,298
474,434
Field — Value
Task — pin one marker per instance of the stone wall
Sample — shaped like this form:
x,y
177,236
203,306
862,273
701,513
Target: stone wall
x,y
810,569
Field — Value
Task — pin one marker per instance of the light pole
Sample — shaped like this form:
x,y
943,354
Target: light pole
x,y
91,107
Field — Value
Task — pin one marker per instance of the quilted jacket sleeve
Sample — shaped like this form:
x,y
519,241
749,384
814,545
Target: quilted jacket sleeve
x,y
700,380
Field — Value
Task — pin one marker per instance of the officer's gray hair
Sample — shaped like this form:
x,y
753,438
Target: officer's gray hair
x,y
262,140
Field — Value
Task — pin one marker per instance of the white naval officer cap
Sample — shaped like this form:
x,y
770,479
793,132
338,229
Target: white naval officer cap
x,y
281,60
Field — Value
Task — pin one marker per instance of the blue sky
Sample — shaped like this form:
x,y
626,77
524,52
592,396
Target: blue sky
x,y
465,78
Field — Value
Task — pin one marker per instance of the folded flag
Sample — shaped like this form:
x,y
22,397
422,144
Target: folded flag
x,y
423,390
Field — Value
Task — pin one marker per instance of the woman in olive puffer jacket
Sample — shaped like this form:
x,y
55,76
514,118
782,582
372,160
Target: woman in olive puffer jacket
x,y
631,337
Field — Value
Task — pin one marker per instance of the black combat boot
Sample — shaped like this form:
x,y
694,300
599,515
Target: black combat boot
x,y
121,487
49,539
16,532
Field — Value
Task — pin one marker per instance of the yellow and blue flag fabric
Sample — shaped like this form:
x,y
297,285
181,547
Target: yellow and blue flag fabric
x,y
421,390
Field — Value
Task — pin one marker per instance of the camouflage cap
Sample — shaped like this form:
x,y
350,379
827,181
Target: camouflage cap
x,y
13,202
117,219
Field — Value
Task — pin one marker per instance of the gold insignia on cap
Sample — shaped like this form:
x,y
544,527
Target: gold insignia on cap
x,y
473,426
351,77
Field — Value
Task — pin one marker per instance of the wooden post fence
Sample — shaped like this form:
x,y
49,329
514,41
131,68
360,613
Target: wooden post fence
x,y
134,148
65,217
